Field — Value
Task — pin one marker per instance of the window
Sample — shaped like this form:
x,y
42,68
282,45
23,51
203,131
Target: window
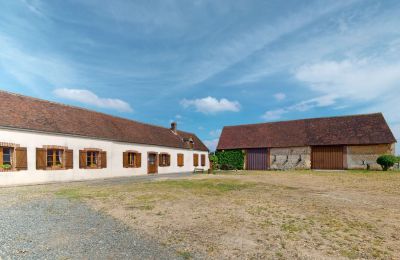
x,y
7,152
164,160
195,160
54,158
92,158
180,160
131,159
203,160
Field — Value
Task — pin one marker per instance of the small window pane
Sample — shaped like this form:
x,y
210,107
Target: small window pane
x,y
50,158
7,156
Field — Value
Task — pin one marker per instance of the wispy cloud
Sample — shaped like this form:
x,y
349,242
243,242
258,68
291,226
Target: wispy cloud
x,y
211,105
280,96
215,133
322,101
211,144
34,69
87,97
354,79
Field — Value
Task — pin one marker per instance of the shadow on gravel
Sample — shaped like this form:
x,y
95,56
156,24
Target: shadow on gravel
x,y
65,229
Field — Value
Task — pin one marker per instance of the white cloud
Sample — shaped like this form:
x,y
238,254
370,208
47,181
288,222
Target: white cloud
x,y
211,105
211,144
215,133
87,97
274,114
322,101
280,96
354,79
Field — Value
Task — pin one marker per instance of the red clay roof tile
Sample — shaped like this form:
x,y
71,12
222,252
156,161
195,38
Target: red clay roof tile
x,y
344,130
39,115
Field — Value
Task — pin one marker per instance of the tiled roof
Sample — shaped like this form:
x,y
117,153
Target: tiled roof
x,y
28,113
344,130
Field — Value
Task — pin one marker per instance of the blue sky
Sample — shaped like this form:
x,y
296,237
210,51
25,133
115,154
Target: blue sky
x,y
206,63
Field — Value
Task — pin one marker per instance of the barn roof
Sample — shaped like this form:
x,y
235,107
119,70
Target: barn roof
x,y
27,113
343,130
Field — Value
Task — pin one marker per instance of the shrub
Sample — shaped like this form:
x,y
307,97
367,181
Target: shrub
x,y
5,166
231,159
214,161
386,161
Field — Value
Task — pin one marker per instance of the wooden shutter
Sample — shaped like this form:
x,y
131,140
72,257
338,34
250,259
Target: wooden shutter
x,y
69,159
103,158
195,159
168,159
1,155
125,159
82,159
203,160
41,159
180,159
21,155
138,160
160,162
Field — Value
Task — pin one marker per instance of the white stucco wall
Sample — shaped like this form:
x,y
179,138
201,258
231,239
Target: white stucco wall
x,y
33,140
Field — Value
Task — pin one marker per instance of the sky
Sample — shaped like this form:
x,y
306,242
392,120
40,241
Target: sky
x,y
205,63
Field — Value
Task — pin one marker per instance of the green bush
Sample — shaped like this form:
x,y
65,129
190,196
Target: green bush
x,y
214,161
386,161
231,159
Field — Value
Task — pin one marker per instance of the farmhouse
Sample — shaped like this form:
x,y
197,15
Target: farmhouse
x,y
346,142
42,141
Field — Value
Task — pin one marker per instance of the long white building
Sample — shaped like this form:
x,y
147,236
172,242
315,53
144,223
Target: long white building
x,y
42,141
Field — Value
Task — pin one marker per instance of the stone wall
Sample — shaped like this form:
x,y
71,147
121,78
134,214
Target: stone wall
x,y
358,157
290,158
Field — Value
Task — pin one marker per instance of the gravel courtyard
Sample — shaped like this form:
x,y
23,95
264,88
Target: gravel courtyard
x,y
34,224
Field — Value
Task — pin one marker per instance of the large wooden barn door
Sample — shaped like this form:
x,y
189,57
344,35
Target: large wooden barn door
x,y
327,157
257,159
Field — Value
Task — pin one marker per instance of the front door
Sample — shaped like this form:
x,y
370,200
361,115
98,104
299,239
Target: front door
x,y
152,163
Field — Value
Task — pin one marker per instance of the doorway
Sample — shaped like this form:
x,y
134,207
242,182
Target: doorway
x,y
152,167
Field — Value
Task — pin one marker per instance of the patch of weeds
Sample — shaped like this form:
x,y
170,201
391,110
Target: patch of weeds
x,y
69,193
349,253
293,226
185,254
218,185
141,207
265,224
256,210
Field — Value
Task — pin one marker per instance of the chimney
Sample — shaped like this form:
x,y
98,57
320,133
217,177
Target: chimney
x,y
173,127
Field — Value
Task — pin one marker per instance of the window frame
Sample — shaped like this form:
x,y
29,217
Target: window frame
x,y
94,156
55,153
165,160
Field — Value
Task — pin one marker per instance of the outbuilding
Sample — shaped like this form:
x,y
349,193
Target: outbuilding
x,y
43,141
344,142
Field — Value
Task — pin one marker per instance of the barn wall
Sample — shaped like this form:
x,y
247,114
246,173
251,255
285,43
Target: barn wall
x,y
290,158
359,156
33,140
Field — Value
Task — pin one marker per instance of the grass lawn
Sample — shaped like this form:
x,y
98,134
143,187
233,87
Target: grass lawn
x,y
290,214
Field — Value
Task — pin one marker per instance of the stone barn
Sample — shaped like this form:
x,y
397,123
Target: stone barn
x,y
334,143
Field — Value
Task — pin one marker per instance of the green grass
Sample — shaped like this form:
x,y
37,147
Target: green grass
x,y
219,185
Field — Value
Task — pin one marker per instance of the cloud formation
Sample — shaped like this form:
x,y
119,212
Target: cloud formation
x,y
211,105
87,97
280,96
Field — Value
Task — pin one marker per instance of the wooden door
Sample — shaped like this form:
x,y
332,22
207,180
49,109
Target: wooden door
x,y
257,159
327,157
152,166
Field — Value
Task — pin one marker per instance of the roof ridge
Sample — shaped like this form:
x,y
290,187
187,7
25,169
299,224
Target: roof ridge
x,y
81,108
305,119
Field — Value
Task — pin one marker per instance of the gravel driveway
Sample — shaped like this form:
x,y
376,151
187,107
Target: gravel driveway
x,y
55,228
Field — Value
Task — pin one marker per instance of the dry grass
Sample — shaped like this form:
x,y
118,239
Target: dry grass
x,y
253,215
